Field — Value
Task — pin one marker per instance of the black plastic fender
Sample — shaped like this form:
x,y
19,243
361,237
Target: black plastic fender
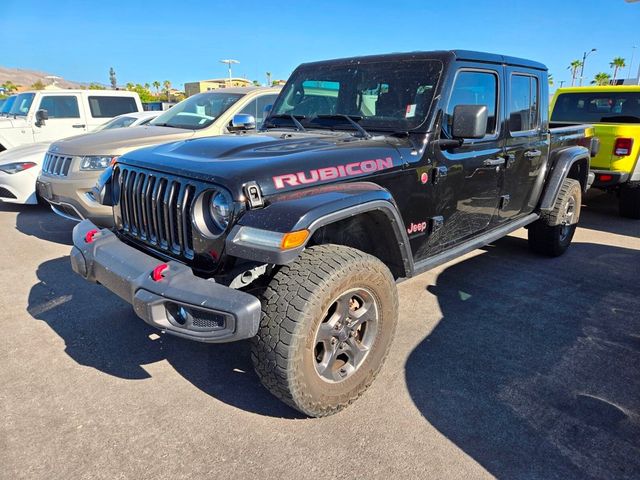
x,y
312,209
561,162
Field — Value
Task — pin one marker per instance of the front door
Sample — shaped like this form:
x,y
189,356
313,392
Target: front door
x,y
65,118
526,144
468,177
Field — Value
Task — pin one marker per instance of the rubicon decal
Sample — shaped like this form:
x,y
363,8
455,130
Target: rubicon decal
x,y
417,228
330,173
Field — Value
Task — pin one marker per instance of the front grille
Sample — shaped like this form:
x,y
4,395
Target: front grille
x,y
156,209
4,193
56,164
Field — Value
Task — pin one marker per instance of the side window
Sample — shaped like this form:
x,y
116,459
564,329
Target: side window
x,y
107,107
60,106
523,104
475,88
257,108
263,102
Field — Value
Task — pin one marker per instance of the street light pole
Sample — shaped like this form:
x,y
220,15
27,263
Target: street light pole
x,y
584,59
229,62
633,54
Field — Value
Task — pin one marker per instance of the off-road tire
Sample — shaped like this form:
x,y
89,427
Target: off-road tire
x,y
629,202
548,235
294,305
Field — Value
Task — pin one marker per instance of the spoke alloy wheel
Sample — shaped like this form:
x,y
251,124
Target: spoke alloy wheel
x,y
346,335
567,221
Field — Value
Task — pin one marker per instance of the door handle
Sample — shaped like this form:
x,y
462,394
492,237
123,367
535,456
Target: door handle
x,y
78,125
532,153
494,162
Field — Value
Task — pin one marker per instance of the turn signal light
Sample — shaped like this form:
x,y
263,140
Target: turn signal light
x,y
294,239
623,147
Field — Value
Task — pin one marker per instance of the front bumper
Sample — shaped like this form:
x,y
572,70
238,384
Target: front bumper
x,y
71,197
609,178
215,313
19,187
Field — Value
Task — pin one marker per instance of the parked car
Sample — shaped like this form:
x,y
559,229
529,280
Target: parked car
x,y
73,165
20,166
6,106
367,171
49,115
615,113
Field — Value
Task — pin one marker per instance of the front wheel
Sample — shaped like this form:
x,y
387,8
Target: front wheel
x,y
328,320
552,234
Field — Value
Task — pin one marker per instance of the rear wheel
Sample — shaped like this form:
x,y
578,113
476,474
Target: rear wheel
x,y
552,234
629,203
328,320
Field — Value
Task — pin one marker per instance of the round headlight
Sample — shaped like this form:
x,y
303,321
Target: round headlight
x,y
220,209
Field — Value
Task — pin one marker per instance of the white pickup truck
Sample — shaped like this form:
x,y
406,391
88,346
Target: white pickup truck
x,y
49,115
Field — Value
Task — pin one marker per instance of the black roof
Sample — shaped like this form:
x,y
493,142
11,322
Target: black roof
x,y
445,55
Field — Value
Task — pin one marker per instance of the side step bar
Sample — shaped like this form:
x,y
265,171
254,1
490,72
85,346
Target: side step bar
x,y
473,244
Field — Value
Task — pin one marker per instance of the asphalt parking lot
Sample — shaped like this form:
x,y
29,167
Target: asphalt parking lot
x,y
505,365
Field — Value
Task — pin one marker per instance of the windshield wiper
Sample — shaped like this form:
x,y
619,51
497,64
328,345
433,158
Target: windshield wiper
x,y
293,118
352,119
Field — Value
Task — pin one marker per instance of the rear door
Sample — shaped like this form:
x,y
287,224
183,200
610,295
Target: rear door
x,y
65,117
526,143
468,176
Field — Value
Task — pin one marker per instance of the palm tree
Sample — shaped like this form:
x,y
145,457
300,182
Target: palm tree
x,y
601,79
268,79
550,77
574,66
130,86
617,63
167,86
147,86
156,85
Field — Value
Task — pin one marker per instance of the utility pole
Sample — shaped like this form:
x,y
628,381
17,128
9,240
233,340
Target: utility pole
x,y
562,82
584,59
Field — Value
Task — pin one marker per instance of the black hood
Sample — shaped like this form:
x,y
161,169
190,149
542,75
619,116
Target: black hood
x,y
277,161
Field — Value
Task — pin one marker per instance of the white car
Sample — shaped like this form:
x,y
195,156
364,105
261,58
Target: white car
x,y
20,166
49,115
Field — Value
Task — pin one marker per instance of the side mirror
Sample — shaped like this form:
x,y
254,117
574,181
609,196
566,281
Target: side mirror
x,y
242,121
470,121
41,116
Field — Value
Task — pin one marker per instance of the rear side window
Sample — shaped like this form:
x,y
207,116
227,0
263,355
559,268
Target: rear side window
x,y
475,88
523,104
60,106
107,107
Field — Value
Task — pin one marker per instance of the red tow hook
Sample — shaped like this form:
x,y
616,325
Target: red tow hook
x,y
157,273
88,238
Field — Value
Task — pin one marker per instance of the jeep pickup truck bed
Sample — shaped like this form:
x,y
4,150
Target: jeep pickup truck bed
x,y
367,171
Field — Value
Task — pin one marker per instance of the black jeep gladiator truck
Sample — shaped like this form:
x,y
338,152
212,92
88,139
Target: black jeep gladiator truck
x,y
367,171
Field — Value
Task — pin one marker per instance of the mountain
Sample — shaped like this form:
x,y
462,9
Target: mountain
x,y
26,78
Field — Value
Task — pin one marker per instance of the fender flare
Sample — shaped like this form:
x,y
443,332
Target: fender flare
x,y
312,209
561,163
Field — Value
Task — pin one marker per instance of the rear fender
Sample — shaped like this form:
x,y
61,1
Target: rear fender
x,y
574,160
312,209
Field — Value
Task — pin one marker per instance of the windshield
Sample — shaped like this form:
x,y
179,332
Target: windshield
x,y
198,111
6,106
118,122
597,107
381,95
22,104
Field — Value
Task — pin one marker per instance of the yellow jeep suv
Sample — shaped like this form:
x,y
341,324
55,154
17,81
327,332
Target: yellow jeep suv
x,y
614,111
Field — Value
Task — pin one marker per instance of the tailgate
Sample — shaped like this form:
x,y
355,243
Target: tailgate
x,y
606,159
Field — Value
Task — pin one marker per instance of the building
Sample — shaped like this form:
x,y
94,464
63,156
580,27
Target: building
x,y
191,88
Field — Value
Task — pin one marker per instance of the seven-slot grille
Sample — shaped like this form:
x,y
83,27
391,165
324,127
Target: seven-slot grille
x,y
56,164
156,209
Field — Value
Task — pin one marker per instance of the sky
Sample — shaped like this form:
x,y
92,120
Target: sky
x,y
184,41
